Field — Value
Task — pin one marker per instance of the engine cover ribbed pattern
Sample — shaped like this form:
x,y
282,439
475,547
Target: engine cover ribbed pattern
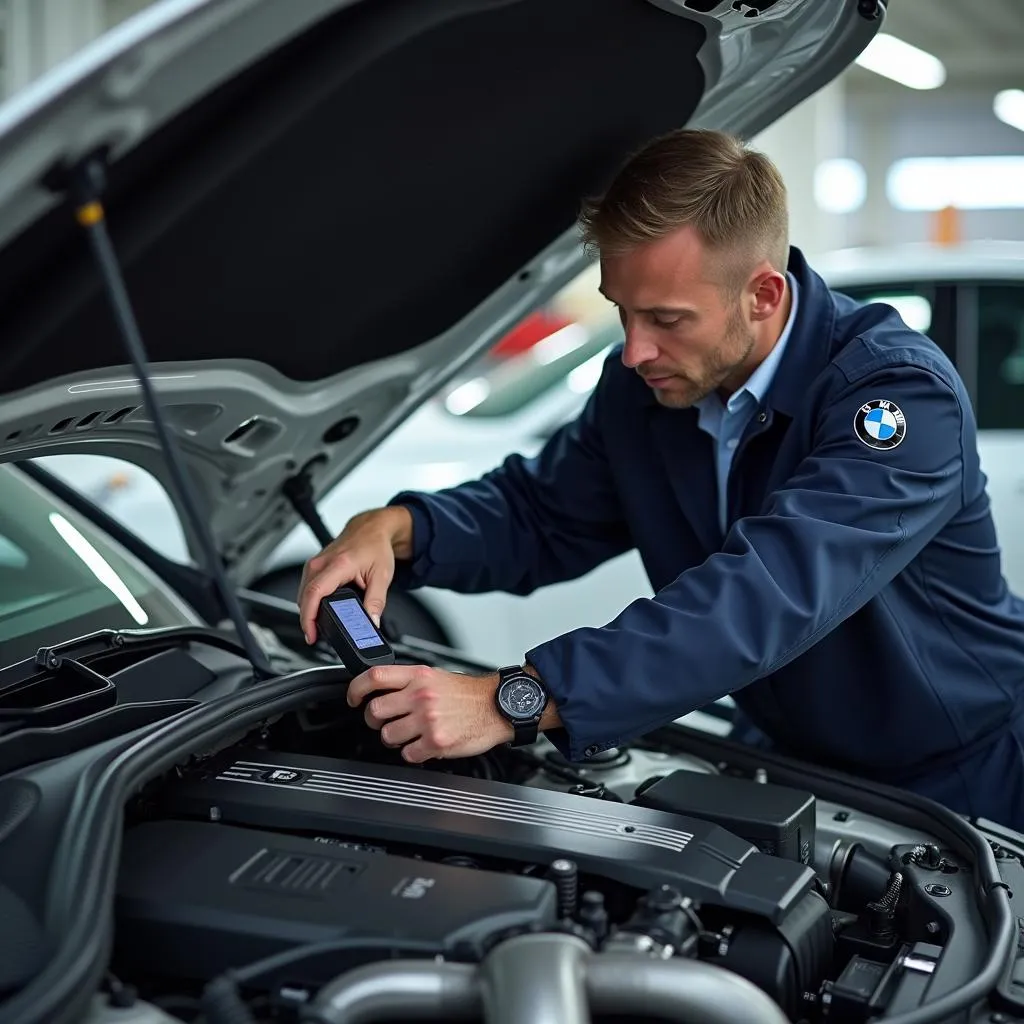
x,y
403,809
594,818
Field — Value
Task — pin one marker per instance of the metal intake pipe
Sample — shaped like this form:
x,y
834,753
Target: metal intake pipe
x,y
537,979
416,989
687,991
544,979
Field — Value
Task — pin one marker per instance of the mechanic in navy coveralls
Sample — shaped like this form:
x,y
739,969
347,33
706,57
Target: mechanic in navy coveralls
x,y
800,476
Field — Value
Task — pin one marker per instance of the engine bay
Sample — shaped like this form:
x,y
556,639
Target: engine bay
x,y
273,880
253,853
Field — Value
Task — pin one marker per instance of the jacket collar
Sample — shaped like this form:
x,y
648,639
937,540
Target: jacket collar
x,y
810,343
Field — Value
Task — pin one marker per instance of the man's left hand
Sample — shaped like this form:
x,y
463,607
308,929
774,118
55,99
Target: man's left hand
x,y
430,713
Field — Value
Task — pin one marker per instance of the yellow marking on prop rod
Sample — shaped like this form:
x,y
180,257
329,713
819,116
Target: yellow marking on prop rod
x,y
89,214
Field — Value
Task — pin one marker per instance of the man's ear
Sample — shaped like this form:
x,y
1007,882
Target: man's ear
x,y
767,289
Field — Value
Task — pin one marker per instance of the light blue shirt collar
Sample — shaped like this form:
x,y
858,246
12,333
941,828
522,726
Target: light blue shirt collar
x,y
727,421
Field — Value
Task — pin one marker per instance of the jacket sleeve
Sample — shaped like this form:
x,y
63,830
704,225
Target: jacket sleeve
x,y
849,519
528,523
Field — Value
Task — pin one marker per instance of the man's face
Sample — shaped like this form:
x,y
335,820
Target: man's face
x,y
688,331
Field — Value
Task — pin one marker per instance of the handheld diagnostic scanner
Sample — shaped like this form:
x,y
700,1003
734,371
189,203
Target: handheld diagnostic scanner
x,y
343,623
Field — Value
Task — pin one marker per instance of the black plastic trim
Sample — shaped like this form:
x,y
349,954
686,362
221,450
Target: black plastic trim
x,y
903,808
32,745
80,912
65,692
103,642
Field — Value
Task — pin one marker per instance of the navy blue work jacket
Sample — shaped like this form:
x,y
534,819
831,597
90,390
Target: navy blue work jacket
x,y
855,609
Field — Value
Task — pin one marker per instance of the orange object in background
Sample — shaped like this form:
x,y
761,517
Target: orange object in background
x,y
946,227
525,335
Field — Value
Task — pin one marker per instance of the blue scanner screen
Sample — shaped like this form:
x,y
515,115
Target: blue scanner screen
x,y
357,623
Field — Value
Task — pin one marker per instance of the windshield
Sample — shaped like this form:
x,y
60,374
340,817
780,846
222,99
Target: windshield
x,y
61,578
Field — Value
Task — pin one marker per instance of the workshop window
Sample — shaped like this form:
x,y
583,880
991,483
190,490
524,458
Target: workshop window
x,y
1000,386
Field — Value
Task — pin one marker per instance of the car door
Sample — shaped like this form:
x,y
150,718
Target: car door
x,y
991,339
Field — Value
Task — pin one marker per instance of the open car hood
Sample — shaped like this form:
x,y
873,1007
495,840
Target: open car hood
x,y
325,209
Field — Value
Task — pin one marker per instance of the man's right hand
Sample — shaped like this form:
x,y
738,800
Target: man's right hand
x,y
364,554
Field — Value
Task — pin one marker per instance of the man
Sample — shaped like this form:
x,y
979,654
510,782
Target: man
x,y
800,476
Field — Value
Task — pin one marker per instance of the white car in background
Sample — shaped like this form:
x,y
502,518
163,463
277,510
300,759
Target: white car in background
x,y
969,299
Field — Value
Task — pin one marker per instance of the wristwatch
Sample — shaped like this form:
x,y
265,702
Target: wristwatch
x,y
521,700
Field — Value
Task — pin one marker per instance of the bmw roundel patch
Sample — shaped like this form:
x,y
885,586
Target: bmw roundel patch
x,y
880,424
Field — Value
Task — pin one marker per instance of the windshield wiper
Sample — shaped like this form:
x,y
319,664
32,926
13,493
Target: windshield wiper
x,y
109,641
74,655
85,184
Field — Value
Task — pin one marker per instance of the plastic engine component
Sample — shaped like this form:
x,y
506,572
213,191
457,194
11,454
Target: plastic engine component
x,y
195,898
636,846
776,819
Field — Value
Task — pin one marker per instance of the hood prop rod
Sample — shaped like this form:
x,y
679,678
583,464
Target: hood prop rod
x,y
85,187
298,490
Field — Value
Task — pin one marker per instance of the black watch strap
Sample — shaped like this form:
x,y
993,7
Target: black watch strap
x,y
524,733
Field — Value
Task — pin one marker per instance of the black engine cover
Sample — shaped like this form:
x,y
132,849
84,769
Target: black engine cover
x,y
636,846
194,899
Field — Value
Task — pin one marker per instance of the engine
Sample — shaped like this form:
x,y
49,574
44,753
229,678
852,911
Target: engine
x,y
320,885
504,860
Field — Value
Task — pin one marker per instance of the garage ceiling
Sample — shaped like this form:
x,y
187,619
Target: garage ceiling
x,y
981,42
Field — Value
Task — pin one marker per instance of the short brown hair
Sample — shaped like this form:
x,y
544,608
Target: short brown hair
x,y
733,196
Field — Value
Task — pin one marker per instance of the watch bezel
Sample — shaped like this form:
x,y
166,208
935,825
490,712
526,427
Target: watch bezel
x,y
512,680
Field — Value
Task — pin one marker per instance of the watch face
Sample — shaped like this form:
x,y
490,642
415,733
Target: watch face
x,y
521,698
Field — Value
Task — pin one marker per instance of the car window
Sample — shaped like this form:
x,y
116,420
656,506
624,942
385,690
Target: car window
x,y
914,305
1000,383
61,578
915,310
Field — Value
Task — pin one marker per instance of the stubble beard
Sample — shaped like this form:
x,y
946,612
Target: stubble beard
x,y
732,354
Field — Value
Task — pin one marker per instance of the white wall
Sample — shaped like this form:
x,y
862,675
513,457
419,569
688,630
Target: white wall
x,y
37,34
810,133
40,33
885,128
